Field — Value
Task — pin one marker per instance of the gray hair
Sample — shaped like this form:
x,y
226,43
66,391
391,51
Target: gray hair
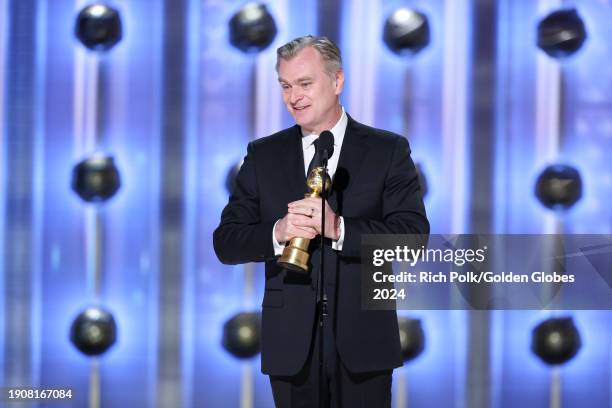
x,y
328,50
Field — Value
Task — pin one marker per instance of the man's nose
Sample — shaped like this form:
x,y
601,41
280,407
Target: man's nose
x,y
295,96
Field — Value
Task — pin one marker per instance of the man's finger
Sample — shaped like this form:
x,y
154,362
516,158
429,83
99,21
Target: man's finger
x,y
304,222
308,211
313,202
303,201
304,227
305,232
298,218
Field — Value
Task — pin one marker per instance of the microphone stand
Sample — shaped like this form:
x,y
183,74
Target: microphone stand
x,y
322,295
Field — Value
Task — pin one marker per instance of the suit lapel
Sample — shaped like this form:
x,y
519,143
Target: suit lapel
x,y
293,157
349,164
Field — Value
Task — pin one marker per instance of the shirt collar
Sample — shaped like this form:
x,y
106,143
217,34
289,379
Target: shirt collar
x,y
338,131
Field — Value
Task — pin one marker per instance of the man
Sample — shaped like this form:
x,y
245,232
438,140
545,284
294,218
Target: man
x,y
374,191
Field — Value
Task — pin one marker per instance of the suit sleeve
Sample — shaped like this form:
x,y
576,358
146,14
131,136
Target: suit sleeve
x,y
241,235
402,204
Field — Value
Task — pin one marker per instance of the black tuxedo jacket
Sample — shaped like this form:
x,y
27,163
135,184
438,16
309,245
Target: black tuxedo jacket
x,y
375,189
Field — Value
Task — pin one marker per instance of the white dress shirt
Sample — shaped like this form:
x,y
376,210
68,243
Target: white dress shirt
x,y
308,149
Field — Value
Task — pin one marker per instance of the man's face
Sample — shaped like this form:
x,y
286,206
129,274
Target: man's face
x,y
310,94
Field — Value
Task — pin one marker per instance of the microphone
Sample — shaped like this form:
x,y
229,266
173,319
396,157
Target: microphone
x,y
326,145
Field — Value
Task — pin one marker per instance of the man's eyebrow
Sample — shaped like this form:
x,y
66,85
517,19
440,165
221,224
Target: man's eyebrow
x,y
302,79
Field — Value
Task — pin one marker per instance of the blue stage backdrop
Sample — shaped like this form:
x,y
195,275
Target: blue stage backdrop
x,y
484,109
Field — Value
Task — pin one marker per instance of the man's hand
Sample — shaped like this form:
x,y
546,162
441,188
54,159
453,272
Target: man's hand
x,y
287,228
309,210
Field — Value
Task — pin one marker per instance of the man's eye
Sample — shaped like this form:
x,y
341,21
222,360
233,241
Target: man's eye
x,y
305,84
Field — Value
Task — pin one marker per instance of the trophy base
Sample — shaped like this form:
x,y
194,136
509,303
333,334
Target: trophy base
x,y
294,259
293,267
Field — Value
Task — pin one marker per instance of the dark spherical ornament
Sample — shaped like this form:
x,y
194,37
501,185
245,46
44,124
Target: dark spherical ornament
x,y
556,340
559,186
406,31
561,33
230,179
241,335
252,28
93,331
422,179
96,179
98,27
412,337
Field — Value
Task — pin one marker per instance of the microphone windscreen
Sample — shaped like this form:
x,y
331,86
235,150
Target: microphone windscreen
x,y
326,142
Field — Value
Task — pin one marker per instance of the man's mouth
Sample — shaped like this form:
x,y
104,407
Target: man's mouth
x,y
300,108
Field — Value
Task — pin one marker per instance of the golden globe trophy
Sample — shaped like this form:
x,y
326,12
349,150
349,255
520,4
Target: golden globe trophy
x,y
295,255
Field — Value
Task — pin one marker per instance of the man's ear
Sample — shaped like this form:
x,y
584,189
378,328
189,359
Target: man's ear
x,y
339,81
